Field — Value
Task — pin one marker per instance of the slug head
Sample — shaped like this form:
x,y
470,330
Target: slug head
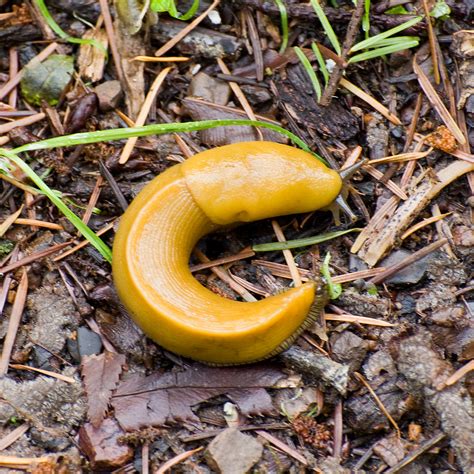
x,y
257,180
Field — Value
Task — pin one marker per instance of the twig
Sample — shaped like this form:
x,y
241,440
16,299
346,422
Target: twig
x,y
109,28
23,122
174,41
459,374
431,37
142,116
379,402
350,318
437,103
14,81
370,100
33,257
283,447
422,224
338,429
390,271
13,60
290,261
425,446
222,261
93,200
176,460
14,435
82,244
337,72
14,323
223,275
62,377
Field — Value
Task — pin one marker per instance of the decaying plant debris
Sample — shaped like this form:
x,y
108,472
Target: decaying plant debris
x,y
383,382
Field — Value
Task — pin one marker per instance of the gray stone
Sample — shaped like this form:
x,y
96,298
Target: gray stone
x,y
232,452
109,94
210,89
88,342
409,275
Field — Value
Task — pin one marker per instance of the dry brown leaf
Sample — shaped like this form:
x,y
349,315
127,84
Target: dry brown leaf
x,y
101,374
159,399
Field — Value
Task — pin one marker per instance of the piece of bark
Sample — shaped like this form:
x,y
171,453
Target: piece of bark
x,y
91,59
199,42
133,71
304,13
102,447
318,368
425,371
298,96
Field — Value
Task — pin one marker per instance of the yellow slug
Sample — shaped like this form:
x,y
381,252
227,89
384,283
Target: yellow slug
x,y
235,183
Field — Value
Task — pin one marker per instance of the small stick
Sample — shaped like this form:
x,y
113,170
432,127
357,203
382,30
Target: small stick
x,y
144,111
459,374
14,81
62,377
13,436
431,37
338,429
283,447
414,122
174,41
83,243
425,446
222,274
336,75
390,271
222,261
437,103
33,257
176,460
290,261
13,60
38,223
370,100
241,97
379,402
14,323
93,200
109,28
23,122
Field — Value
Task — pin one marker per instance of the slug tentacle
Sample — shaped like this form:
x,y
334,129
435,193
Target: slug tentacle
x,y
160,228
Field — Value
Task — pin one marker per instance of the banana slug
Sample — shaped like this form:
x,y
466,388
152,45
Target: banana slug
x,y
235,183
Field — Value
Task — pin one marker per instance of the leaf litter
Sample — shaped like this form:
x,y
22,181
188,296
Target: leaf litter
x,y
411,343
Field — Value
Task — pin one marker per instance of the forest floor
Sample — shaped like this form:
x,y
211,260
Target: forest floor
x,y
382,381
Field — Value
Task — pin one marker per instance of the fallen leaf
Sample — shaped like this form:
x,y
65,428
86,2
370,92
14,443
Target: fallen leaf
x,y
101,374
158,399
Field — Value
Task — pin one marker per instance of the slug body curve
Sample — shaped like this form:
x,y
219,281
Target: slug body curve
x,y
234,183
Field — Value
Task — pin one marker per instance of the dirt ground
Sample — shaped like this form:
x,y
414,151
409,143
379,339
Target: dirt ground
x,y
382,378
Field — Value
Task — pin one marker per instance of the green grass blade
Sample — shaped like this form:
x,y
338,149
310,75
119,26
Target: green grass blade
x,y
61,33
96,241
374,40
396,40
366,18
157,129
284,24
309,70
375,53
297,243
321,62
326,26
